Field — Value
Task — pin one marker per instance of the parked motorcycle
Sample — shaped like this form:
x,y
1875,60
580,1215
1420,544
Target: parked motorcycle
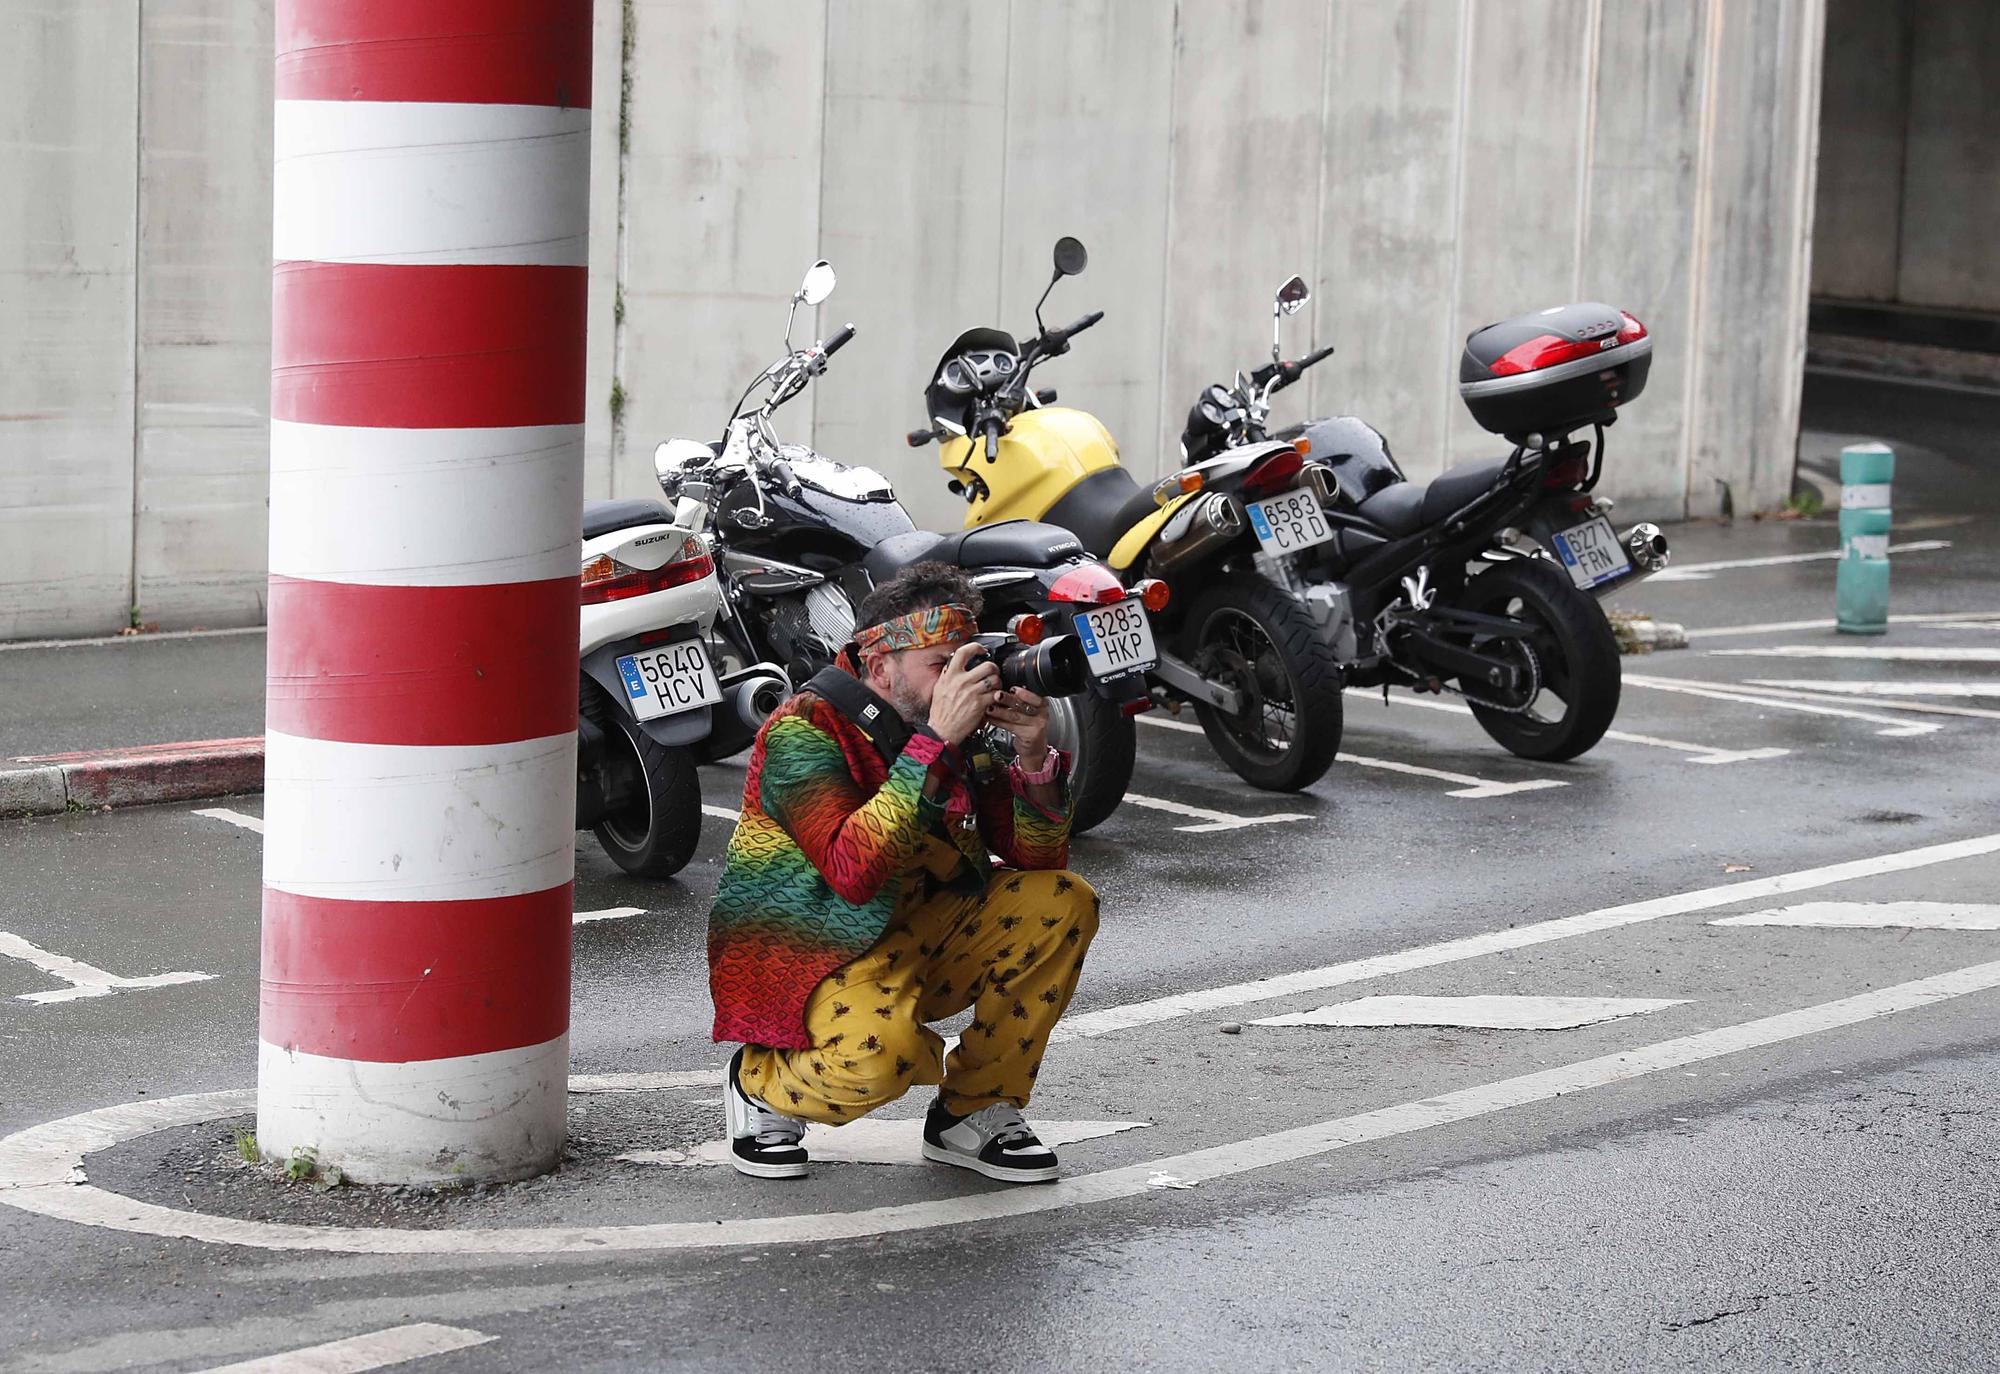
x,y
1482,581
1242,650
647,687
803,539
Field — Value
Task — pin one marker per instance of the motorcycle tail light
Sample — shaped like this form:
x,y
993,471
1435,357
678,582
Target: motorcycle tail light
x,y
1090,583
1273,471
1567,471
606,579
1153,593
1027,628
1137,708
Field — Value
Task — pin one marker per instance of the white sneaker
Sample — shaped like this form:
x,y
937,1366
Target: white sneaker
x,y
762,1143
993,1141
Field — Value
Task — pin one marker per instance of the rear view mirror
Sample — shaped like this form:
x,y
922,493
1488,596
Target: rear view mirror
x,y
1071,258
1293,295
818,284
675,456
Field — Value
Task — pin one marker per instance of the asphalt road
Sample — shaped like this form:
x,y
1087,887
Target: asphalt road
x,y
1783,1158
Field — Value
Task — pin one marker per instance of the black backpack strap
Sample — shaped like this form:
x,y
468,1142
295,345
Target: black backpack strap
x,y
874,717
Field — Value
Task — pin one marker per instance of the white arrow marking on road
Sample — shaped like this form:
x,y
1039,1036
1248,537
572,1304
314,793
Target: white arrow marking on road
x,y
1882,689
1701,572
223,813
357,1354
85,980
1925,653
1477,1013
1875,916
873,1140
1893,726
1213,820
1700,753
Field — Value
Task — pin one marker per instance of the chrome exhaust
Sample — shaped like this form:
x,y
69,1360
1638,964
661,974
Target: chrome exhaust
x,y
754,698
1201,527
1647,548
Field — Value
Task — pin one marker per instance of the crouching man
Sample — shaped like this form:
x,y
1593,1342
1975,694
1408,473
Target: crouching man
x,y
860,898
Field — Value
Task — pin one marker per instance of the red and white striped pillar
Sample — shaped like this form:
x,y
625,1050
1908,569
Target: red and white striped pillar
x,y
430,226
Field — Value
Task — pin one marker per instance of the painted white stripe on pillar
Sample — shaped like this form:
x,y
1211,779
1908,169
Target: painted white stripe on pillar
x,y
409,823
412,182
357,504
474,1116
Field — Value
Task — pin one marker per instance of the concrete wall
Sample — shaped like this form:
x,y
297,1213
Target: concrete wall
x,y
1909,169
1428,165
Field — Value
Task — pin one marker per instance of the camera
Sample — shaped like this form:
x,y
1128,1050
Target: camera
x,y
1056,667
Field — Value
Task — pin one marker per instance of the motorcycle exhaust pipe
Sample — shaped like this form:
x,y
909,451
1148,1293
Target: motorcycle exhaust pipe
x,y
1647,548
1200,528
754,698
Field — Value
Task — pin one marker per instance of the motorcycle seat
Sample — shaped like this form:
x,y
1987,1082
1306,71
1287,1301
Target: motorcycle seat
x,y
602,517
1008,544
1406,507
1101,508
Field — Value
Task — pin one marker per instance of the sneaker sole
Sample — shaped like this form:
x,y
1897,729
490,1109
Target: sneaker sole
x,y
994,1171
738,1124
744,1166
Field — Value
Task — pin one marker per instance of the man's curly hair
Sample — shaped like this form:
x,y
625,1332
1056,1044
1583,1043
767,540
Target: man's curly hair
x,y
918,588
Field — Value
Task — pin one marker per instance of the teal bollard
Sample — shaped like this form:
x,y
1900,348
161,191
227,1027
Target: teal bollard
x,y
1861,589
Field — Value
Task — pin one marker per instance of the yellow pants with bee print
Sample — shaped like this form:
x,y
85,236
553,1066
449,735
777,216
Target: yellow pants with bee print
x,y
1013,956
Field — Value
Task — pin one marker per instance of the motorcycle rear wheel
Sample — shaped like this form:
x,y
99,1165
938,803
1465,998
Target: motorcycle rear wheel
x,y
1576,655
1256,637
1103,744
656,834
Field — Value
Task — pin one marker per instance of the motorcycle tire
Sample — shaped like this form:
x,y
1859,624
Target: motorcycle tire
x,y
655,837
1577,658
1257,638
1103,745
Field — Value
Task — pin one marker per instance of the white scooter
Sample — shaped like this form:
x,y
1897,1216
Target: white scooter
x,y
648,688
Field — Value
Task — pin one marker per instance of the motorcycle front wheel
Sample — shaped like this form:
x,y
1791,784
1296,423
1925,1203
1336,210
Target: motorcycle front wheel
x,y
1575,660
653,835
1102,742
1251,635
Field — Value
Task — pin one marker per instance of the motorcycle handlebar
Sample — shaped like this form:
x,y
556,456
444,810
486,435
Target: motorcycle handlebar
x,y
917,438
992,427
838,341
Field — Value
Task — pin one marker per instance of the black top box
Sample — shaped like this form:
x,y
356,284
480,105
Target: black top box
x,y
1554,371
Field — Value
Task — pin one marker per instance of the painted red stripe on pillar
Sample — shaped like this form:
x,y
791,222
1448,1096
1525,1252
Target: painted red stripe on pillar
x,y
422,665
485,52
408,346
398,982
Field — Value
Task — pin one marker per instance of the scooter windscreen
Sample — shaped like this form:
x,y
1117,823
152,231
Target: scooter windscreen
x,y
978,360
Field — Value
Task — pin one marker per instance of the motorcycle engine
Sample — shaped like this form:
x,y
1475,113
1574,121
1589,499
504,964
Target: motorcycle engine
x,y
810,630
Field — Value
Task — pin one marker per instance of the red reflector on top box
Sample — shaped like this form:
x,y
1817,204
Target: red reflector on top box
x,y
408,346
481,52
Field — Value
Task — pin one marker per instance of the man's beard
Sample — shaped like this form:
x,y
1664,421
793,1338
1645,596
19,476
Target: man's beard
x,y
914,710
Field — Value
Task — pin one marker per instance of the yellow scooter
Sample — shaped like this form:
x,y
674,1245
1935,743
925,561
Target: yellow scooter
x,y
1239,647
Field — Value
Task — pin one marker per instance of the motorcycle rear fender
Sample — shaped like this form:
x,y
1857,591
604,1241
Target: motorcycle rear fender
x,y
683,727
1126,552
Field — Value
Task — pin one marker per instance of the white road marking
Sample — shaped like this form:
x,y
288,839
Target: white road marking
x,y
722,813
1882,689
610,913
1928,708
1466,785
1892,653
1701,753
41,1167
1860,374
85,980
1107,1021
151,637
644,1082
1893,727
1785,626
1701,572
1478,1013
873,1140
1875,916
376,1350
1212,820
223,813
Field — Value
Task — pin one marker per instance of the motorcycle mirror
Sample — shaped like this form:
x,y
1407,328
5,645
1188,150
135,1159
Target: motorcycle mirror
x,y
818,284
1293,295
670,458
1071,258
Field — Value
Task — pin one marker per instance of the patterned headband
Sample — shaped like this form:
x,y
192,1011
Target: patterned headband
x,y
919,629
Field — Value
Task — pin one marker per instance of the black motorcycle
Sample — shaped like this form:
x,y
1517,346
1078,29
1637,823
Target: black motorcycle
x,y
1481,582
802,539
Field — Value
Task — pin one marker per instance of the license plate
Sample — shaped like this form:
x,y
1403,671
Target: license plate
x,y
1288,523
670,679
1117,639
1592,553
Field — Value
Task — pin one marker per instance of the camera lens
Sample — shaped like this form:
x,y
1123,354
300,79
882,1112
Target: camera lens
x,y
1054,668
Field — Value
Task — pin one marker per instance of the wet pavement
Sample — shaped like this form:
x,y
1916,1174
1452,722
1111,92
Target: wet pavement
x,y
1782,1160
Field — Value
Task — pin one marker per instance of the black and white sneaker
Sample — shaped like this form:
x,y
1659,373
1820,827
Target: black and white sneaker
x,y
762,1143
993,1141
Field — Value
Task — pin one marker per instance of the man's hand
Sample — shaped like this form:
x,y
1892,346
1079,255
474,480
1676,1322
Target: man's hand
x,y
964,694
1025,716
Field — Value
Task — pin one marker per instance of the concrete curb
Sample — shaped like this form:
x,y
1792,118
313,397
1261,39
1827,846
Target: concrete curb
x,y
191,770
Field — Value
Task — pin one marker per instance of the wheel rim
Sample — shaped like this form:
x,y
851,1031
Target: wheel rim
x,y
1239,651
613,825
1550,706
